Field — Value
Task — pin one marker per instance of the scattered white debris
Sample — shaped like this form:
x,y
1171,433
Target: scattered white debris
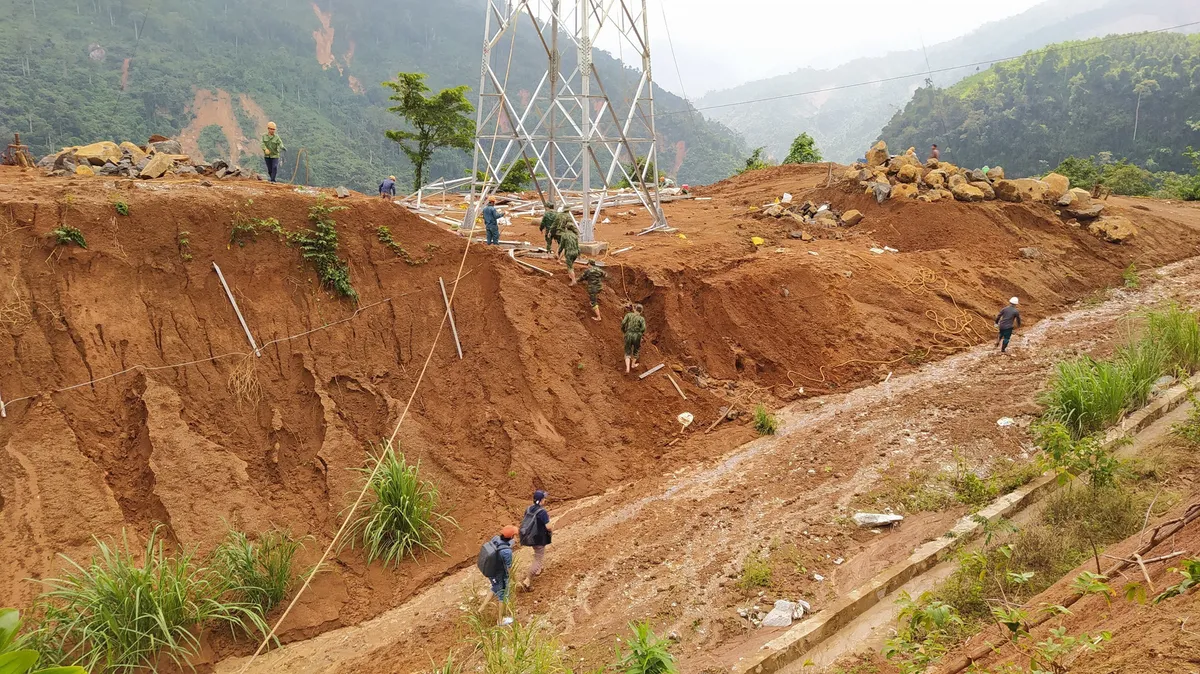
x,y
1005,422
818,577
686,418
875,519
605,221
877,251
802,607
781,615
813,252
839,561
787,198
890,249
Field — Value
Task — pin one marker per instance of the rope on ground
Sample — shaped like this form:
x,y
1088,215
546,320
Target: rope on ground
x,y
378,463
302,152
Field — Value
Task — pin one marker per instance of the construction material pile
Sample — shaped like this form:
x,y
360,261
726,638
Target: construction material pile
x,y
904,176
160,157
809,215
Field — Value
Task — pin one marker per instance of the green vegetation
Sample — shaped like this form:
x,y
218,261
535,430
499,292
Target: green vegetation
x,y
1128,179
924,491
525,648
15,658
121,207
755,161
804,151
120,612
1191,579
645,653
1189,431
756,571
184,242
246,229
439,121
261,570
520,173
924,632
385,237
319,246
1131,278
65,235
402,516
1051,104
213,144
765,422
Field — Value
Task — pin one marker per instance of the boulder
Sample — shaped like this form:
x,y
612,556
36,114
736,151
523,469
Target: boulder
x,y
169,146
186,170
852,218
1007,190
966,192
949,168
936,178
47,162
878,154
780,615
1081,198
995,173
1067,200
1058,185
1113,229
955,180
976,176
65,161
904,191
852,175
97,154
984,186
1031,253
908,174
826,218
158,165
342,192
932,163
881,190
1032,189
1086,213
134,152
774,210
109,169
946,195
84,170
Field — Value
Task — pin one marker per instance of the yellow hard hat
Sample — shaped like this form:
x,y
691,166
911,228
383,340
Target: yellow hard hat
x,y
391,177
270,125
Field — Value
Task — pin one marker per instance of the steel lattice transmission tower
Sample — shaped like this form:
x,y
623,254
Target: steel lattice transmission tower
x,y
578,129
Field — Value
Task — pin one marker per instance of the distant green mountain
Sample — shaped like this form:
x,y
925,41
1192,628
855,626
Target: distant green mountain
x,y
1077,98
845,122
212,72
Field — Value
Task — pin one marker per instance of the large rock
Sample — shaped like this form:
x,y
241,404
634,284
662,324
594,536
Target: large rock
x,y
946,195
1058,186
169,146
1032,189
995,173
903,160
780,615
985,187
97,154
826,218
878,154
1076,198
158,165
881,190
773,211
908,174
1007,190
1086,213
904,191
852,218
936,178
1113,229
976,176
966,192
932,163
852,174
84,170
955,180
135,153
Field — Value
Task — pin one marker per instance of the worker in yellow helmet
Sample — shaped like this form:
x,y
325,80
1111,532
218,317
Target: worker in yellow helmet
x,y
388,187
272,146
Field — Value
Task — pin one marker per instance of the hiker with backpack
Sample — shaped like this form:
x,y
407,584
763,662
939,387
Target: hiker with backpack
x,y
495,560
535,533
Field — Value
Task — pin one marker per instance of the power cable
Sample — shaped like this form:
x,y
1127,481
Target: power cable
x,y
1046,50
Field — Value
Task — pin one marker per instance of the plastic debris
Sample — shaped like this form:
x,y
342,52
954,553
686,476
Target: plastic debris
x,y
787,198
757,240
876,519
878,251
1004,422
686,418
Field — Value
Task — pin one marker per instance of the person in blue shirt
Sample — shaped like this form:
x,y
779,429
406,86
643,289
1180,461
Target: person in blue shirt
x,y
388,187
491,221
499,582
540,537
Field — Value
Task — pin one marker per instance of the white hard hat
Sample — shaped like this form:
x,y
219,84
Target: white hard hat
x,y
1014,301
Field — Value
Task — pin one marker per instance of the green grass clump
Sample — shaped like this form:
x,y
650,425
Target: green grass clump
x,y
65,235
756,572
1189,431
1177,331
121,207
15,656
1130,276
319,246
525,648
122,612
262,569
246,230
403,514
646,653
765,422
385,237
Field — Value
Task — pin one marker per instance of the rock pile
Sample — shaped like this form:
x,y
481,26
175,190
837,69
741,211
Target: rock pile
x,y
160,157
809,214
885,177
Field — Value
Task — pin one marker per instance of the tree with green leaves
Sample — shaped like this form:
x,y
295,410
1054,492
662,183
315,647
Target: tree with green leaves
x,y
804,151
438,121
755,161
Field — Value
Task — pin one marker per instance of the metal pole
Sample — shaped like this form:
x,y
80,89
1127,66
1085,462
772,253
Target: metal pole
x,y
469,218
555,72
237,311
586,229
659,218
450,313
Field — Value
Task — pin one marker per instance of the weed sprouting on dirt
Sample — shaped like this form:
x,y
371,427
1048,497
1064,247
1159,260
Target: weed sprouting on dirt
x,y
121,207
261,569
319,246
925,629
385,237
519,647
65,235
926,491
403,515
1178,331
756,571
765,422
1190,570
122,612
243,381
184,242
1189,430
1130,277
246,230
645,653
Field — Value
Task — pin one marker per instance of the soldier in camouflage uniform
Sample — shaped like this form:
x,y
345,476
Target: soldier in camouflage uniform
x,y
549,225
634,326
568,245
594,277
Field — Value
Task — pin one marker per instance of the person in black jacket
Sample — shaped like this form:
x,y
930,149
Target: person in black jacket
x,y
1008,318
539,535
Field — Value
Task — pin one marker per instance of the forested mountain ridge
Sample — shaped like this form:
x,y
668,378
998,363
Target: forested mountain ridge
x,y
845,122
212,72
1078,98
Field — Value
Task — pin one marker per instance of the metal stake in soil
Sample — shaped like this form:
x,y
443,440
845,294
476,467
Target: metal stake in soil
x,y
450,315
238,311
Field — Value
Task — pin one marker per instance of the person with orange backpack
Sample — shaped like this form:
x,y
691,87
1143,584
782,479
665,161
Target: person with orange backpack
x,y
536,533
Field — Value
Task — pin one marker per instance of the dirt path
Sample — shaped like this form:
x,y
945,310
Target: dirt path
x,y
670,548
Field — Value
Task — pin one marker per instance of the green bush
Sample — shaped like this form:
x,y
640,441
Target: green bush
x,y
1131,278
1083,172
755,161
121,207
765,422
65,235
403,514
756,571
1177,331
15,658
120,613
1127,179
645,653
803,151
319,246
518,648
262,569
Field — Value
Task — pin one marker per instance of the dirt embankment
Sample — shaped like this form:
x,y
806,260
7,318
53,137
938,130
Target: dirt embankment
x,y
538,400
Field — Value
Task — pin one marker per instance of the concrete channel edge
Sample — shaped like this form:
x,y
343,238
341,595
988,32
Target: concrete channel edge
x,y
802,638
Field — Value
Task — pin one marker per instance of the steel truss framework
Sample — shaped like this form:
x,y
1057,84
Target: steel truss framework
x,y
571,122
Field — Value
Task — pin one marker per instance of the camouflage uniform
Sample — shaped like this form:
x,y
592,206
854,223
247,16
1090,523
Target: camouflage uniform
x,y
634,326
568,244
549,225
594,277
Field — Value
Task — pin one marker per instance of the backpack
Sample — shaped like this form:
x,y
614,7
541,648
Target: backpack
x,y
531,532
489,562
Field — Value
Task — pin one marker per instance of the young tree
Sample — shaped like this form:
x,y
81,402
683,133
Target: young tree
x,y
755,161
438,121
804,151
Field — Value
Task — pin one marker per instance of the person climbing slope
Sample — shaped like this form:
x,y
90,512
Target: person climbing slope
x,y
634,326
494,562
388,187
491,221
568,245
272,146
1008,317
536,533
594,277
549,222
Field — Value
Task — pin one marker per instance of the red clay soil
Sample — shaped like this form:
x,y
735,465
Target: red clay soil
x,y
538,400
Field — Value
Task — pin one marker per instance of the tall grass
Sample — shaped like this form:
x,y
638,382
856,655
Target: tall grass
x,y
525,648
765,422
121,612
646,653
1177,330
403,514
262,569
